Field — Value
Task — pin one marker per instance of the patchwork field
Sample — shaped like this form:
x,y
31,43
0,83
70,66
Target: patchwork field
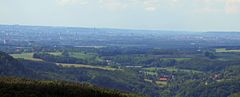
x,y
86,66
55,53
159,83
29,56
26,56
223,50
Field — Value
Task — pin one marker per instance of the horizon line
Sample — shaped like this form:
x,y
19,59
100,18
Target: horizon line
x,y
116,28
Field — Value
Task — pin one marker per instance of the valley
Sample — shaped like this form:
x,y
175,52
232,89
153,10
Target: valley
x,y
153,64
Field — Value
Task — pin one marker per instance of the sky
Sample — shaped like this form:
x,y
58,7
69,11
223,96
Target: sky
x,y
177,15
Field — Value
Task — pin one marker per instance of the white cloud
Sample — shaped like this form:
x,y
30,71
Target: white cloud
x,y
216,6
113,4
232,6
72,2
202,6
231,9
151,5
233,1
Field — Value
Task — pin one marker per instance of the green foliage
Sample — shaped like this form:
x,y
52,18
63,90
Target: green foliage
x,y
11,67
232,72
87,66
235,95
65,53
200,89
202,64
12,87
191,74
67,57
26,56
126,80
210,55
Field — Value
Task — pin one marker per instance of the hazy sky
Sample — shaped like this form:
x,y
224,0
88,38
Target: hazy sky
x,y
192,15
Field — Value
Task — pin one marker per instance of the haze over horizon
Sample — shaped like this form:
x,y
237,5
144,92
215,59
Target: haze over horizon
x,y
176,15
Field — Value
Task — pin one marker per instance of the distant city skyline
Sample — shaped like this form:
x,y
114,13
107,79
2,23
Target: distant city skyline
x,y
172,15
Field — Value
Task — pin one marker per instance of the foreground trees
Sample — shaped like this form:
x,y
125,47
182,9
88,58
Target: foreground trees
x,y
12,87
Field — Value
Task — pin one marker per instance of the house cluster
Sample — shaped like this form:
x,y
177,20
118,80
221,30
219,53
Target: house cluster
x,y
216,76
166,78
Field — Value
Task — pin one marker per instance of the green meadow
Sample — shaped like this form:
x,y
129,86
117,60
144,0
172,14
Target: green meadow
x,y
86,66
223,50
26,56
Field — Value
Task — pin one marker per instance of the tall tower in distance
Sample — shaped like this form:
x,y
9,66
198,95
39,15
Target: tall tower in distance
x,y
76,36
6,36
60,35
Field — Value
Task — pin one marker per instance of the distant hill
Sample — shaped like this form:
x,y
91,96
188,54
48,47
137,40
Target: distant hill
x,y
14,87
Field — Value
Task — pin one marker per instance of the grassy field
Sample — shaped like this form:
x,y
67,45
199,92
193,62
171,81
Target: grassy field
x,y
153,69
161,83
170,69
26,56
29,56
85,56
223,50
87,66
55,53
151,73
148,80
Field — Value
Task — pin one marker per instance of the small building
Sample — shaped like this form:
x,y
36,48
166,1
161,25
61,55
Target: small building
x,y
216,76
163,79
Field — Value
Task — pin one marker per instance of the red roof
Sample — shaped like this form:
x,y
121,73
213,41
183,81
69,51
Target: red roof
x,y
163,79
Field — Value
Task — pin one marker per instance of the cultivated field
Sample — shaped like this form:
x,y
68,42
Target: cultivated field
x,y
170,69
223,50
26,56
86,66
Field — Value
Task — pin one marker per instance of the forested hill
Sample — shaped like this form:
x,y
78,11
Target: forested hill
x,y
11,67
12,87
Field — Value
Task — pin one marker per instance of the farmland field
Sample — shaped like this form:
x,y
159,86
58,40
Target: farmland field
x,y
26,56
55,53
29,56
170,69
151,73
85,56
223,50
148,80
161,83
86,66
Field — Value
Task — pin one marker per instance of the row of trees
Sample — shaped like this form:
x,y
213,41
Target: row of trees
x,y
66,58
